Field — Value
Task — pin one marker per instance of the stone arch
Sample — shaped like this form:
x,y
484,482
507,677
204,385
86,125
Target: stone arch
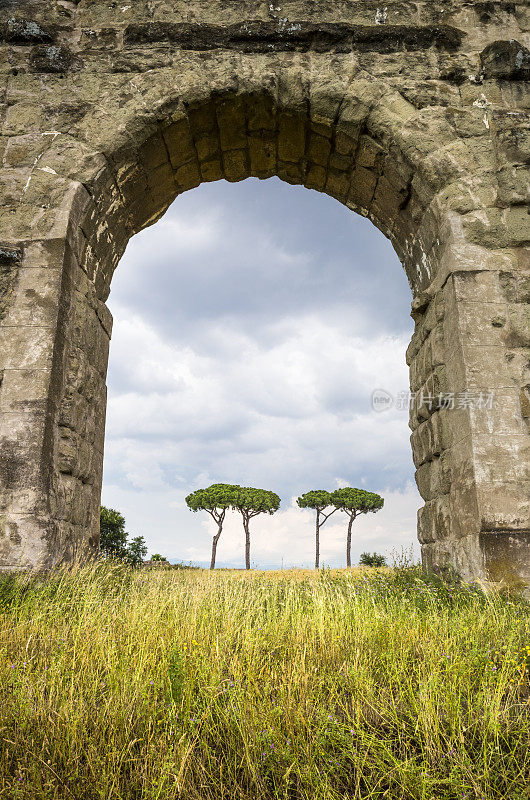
x,y
438,172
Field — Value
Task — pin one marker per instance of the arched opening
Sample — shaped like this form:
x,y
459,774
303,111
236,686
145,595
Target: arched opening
x,y
352,147
423,177
251,325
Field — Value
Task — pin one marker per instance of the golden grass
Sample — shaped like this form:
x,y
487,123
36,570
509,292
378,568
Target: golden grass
x,y
295,684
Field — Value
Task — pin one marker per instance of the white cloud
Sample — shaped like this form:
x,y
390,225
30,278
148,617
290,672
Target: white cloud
x,y
184,234
283,407
313,367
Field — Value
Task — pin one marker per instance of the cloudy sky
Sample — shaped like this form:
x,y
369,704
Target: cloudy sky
x,y
251,325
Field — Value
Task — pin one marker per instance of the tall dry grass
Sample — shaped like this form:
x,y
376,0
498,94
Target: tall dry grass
x,y
180,684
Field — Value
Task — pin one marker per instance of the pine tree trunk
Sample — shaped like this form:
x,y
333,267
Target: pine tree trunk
x,y
348,542
214,546
247,543
317,554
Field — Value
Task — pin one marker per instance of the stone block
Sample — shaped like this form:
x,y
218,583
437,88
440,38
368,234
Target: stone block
x,y
499,228
463,501
486,368
22,461
179,143
518,328
203,120
398,173
513,185
434,521
207,147
24,117
290,173
187,177
502,458
231,119
26,347
262,146
370,155
24,541
24,150
478,287
437,346
318,149
433,478
24,390
153,153
34,298
362,187
212,170
432,436
291,138
345,145
508,60
386,202
316,178
235,165
482,323
525,402
504,507
337,185
506,558
515,285
261,113
339,163
511,130
325,98
132,182
161,183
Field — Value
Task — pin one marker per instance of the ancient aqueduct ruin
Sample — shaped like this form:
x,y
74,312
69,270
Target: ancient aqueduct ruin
x,y
414,114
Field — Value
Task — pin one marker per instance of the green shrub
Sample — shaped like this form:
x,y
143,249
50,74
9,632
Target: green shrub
x,y
372,560
113,542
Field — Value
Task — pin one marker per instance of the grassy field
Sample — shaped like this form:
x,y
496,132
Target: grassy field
x,y
191,684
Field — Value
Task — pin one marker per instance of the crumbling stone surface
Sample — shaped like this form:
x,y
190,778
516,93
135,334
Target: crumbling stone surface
x,y
18,30
414,114
507,60
9,260
51,58
266,37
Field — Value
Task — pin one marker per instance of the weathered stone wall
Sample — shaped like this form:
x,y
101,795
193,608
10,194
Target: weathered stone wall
x,y
414,114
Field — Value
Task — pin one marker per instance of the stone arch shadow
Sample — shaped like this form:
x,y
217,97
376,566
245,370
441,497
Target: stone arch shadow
x,y
425,179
